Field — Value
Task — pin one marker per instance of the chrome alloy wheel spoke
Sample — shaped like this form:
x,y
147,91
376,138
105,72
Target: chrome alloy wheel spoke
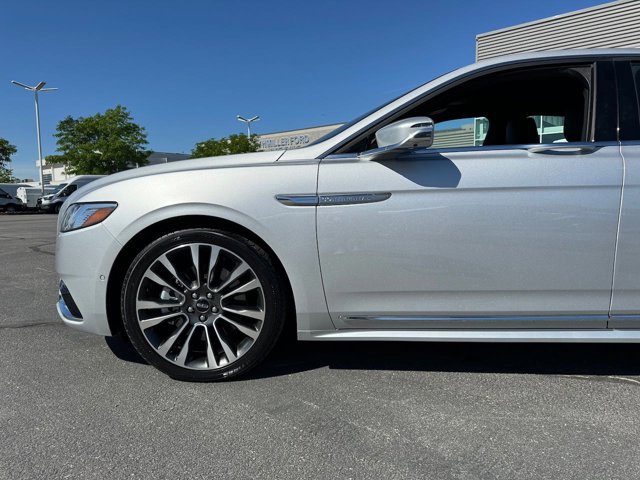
x,y
153,321
200,306
150,304
166,263
247,287
229,353
164,347
255,314
195,257
155,278
239,270
181,359
253,334
211,359
213,260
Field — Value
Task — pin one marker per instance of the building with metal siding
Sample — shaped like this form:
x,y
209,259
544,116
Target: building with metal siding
x,y
454,137
610,25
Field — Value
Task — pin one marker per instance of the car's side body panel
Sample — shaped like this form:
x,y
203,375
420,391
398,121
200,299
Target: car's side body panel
x,y
625,302
502,236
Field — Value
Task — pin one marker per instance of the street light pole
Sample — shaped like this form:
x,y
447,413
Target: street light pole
x,y
38,88
248,122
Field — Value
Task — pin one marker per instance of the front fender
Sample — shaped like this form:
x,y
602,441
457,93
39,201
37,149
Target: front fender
x,y
244,196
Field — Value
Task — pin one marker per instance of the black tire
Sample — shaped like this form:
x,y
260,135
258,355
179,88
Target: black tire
x,y
56,208
11,208
246,250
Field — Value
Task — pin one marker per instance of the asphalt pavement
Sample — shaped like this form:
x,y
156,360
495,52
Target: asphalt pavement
x,y
73,405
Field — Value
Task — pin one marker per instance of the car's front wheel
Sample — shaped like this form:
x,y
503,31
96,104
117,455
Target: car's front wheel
x,y
203,304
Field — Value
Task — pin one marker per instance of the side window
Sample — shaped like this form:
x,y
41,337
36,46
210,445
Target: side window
x,y
518,106
541,105
68,190
472,132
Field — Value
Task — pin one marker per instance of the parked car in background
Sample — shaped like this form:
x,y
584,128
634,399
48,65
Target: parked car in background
x,y
12,188
53,202
9,203
49,195
30,195
379,231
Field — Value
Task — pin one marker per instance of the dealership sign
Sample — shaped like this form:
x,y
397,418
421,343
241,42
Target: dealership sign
x,y
286,141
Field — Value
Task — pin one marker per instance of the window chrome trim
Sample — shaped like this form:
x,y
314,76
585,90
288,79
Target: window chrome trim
x,y
587,146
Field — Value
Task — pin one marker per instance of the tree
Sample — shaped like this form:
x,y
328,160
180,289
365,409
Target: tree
x,y
226,146
6,150
102,144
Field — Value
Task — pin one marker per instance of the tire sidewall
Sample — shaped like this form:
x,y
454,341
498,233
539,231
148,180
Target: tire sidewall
x,y
253,255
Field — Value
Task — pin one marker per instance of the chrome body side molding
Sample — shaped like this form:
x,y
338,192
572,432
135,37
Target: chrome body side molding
x,y
497,322
298,200
353,198
526,318
305,200
539,336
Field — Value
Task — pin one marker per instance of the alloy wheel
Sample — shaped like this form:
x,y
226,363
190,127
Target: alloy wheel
x,y
200,306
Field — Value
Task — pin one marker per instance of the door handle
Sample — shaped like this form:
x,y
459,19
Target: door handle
x,y
563,149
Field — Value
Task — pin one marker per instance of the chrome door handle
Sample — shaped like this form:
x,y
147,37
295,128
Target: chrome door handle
x,y
576,149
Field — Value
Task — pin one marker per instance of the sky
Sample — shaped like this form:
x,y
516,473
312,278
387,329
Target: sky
x,y
185,69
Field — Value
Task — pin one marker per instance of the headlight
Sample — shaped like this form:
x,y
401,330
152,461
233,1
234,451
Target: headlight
x,y
81,215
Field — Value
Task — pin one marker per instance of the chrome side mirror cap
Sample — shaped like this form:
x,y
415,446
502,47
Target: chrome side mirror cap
x,y
401,136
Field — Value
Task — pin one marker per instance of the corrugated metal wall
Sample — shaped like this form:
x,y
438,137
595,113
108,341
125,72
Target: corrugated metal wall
x,y
615,24
455,137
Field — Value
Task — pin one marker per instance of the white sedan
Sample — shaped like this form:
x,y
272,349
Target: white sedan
x,y
499,202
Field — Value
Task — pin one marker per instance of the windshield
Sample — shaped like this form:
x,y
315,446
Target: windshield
x,y
59,187
68,190
341,129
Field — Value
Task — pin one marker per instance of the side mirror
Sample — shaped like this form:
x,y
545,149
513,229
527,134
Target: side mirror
x,y
401,136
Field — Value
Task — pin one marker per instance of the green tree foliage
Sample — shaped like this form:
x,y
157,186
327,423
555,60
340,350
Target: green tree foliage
x,y
6,150
226,146
102,144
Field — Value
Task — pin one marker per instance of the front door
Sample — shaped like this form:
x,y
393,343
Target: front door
x,y
471,238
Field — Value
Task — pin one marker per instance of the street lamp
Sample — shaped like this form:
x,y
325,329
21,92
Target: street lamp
x,y
35,90
248,122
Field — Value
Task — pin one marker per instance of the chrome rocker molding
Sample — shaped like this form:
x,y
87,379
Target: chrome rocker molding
x,y
519,318
331,199
521,335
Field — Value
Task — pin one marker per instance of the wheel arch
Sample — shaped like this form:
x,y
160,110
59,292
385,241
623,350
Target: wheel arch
x,y
153,231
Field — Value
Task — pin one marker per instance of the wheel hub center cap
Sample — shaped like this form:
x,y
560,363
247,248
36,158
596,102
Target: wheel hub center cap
x,y
202,305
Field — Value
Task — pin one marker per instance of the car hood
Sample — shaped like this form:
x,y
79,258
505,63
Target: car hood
x,y
225,161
